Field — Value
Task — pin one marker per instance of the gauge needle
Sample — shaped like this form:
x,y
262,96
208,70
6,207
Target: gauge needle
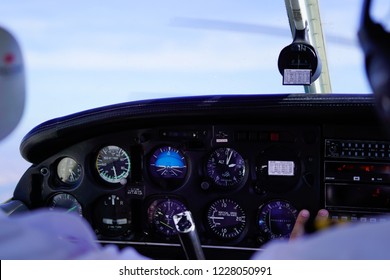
x,y
71,174
217,218
113,169
269,221
71,209
229,157
165,224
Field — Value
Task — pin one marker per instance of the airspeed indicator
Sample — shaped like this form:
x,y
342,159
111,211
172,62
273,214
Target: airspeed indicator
x,y
113,164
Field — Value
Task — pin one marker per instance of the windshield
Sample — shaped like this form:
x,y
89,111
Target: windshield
x,y
80,55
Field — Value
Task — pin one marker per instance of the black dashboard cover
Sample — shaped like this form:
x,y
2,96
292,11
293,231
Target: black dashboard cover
x,y
53,135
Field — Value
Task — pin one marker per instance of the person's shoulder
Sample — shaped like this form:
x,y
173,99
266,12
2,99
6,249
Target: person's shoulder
x,y
349,241
45,234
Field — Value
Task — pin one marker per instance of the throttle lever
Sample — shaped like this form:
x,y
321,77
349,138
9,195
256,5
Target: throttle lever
x,y
189,238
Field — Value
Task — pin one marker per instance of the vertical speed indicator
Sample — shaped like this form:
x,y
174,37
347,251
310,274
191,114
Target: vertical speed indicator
x,y
226,218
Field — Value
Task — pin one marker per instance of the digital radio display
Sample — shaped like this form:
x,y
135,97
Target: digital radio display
x,y
357,172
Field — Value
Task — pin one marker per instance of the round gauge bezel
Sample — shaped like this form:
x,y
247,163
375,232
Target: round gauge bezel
x,y
155,213
216,170
278,183
111,177
169,181
284,220
237,221
65,201
112,215
76,168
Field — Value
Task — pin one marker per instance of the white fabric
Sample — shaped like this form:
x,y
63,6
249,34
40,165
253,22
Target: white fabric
x,y
45,234
345,242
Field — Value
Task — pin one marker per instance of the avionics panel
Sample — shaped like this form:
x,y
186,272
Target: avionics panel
x,y
357,179
353,171
356,149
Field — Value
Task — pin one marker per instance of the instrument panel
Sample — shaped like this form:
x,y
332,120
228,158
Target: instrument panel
x,y
243,184
243,166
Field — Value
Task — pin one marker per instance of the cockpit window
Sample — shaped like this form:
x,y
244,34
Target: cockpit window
x,y
80,55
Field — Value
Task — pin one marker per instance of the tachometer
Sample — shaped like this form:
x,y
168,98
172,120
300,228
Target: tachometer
x,y
113,164
226,167
226,218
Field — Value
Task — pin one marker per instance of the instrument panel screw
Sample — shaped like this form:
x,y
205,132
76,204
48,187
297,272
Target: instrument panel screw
x,y
44,171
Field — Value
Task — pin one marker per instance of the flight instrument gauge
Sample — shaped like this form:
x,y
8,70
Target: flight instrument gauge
x,y
112,216
226,218
168,167
68,171
278,169
113,164
226,167
66,202
277,219
161,212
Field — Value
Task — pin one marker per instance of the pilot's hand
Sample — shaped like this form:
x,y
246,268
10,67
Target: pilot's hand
x,y
303,218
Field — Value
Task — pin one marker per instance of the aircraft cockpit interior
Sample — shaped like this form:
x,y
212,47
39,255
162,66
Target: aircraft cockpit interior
x,y
206,174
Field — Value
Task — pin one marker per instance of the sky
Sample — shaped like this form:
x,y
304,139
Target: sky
x,y
85,54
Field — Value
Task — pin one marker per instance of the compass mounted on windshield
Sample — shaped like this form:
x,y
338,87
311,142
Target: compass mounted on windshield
x,y
299,62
